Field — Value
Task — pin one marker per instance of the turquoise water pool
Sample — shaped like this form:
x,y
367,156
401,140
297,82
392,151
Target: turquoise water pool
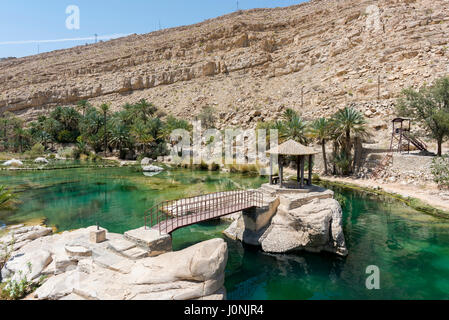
x,y
411,249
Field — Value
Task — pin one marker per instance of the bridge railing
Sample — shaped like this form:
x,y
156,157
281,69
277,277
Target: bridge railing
x,y
172,214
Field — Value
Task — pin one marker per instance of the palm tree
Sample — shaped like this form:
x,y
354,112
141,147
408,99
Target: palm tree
x,y
6,198
295,128
83,105
348,122
70,118
145,110
141,133
105,109
120,137
321,131
171,124
289,114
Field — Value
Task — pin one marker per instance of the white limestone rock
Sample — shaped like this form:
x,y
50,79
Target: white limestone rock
x,y
152,168
13,163
41,161
314,227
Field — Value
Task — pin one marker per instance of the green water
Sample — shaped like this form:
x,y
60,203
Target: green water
x,y
411,249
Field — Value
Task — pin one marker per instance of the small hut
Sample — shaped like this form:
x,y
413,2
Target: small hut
x,y
300,152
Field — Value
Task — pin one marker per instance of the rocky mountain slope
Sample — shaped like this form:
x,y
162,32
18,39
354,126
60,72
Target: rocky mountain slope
x,y
249,65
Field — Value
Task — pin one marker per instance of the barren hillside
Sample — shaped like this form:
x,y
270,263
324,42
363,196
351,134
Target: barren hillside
x,y
249,65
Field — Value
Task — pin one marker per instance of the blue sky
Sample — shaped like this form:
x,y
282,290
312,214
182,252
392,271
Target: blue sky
x,y
24,20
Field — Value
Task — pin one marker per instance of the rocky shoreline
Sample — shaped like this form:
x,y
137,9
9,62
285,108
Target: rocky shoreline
x,y
75,268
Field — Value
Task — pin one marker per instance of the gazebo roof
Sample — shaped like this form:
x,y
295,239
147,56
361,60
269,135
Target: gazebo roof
x,y
292,148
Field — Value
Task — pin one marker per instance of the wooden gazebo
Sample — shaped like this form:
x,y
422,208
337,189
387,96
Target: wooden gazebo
x,y
295,149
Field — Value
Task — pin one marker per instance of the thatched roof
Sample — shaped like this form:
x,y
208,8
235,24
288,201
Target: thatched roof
x,y
292,148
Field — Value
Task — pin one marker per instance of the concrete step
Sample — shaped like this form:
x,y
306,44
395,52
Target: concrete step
x,y
135,253
150,240
121,244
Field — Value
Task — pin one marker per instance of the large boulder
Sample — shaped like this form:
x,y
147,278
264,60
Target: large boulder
x,y
292,222
117,269
200,262
314,227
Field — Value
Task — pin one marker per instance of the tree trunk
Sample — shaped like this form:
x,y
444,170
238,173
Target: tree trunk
x,y
348,150
105,136
334,167
440,147
323,146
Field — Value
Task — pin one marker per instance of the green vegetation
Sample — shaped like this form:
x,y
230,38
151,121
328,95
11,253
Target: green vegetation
x,y
7,198
15,289
134,130
440,171
320,131
344,129
430,106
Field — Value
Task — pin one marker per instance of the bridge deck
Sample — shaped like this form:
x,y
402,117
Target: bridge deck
x,y
169,216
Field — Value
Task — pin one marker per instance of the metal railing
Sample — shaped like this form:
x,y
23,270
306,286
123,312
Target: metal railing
x,y
170,215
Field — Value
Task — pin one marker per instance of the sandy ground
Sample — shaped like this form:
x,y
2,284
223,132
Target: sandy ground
x,y
428,193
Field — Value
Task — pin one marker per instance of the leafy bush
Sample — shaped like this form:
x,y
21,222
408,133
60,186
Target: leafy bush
x,y
5,253
214,167
80,149
343,163
65,152
37,150
66,136
341,199
13,289
440,170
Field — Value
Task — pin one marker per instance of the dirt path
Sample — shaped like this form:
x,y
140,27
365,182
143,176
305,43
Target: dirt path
x,y
428,193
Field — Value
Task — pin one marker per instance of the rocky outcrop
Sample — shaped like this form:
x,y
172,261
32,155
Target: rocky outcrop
x,y
314,227
293,222
117,269
339,52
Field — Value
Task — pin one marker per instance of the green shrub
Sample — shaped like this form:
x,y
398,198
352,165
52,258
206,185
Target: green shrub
x,y
80,149
343,163
440,170
13,289
37,150
341,199
214,167
66,152
66,136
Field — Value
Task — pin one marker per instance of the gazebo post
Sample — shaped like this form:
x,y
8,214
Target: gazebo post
x,y
298,161
295,150
309,182
281,171
302,172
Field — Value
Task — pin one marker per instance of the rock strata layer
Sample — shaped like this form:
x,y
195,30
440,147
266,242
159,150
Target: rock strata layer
x,y
249,65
